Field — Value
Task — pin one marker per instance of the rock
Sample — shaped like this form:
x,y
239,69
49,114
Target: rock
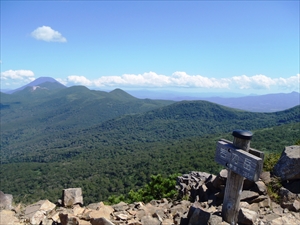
x,y
149,220
288,199
259,198
104,211
5,201
95,206
295,206
247,216
134,222
220,179
260,187
188,185
248,195
254,207
101,221
292,186
121,206
248,184
287,167
197,216
72,196
77,210
167,222
67,219
215,220
245,205
8,217
284,220
122,216
209,182
269,218
37,212
265,203
265,177
182,207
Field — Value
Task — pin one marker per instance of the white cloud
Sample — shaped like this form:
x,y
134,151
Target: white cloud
x,y
262,82
17,75
178,79
46,33
182,79
292,82
152,79
79,80
254,82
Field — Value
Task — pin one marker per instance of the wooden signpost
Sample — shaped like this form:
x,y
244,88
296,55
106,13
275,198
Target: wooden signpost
x,y
241,162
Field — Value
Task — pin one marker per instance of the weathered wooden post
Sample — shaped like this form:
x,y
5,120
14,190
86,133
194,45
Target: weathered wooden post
x,y
240,163
234,184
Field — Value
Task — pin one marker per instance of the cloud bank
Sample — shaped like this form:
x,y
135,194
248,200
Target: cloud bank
x,y
17,75
178,79
46,33
182,79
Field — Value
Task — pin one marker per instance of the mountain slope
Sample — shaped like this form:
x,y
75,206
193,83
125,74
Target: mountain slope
x,y
67,110
45,82
187,119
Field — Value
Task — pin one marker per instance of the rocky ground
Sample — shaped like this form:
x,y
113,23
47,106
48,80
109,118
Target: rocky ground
x,y
204,193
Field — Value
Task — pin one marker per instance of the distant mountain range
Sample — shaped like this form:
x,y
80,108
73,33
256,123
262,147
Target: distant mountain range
x,y
255,103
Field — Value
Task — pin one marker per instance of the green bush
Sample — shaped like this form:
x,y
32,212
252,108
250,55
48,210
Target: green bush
x,y
273,189
270,161
159,187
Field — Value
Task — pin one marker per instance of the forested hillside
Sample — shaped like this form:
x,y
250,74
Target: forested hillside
x,y
113,170
110,143
29,117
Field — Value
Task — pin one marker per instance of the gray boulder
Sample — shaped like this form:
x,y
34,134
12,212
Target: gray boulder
x,y
72,196
101,221
197,215
247,216
287,167
36,213
5,201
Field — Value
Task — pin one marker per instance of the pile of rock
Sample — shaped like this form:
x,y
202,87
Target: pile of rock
x,y
256,207
203,192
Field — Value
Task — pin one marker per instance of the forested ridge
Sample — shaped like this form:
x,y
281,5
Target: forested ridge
x,y
111,149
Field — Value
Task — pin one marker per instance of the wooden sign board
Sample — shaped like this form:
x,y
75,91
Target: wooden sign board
x,y
238,160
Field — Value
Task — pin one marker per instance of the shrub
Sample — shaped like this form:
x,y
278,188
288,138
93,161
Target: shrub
x,y
159,187
270,161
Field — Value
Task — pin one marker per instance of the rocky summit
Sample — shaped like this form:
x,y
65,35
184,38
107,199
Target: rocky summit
x,y
269,201
204,193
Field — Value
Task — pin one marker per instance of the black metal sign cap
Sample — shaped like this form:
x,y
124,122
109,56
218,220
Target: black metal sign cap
x,y
242,134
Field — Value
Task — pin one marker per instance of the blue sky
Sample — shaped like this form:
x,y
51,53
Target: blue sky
x,y
204,46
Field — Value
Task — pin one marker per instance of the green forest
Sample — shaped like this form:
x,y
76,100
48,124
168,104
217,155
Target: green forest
x,y
111,144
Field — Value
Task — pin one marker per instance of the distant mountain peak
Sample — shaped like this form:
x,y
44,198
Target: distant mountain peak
x,y
41,80
39,83
121,94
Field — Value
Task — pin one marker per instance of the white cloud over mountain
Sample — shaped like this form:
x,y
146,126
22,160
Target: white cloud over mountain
x,y
178,79
182,79
17,75
46,33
